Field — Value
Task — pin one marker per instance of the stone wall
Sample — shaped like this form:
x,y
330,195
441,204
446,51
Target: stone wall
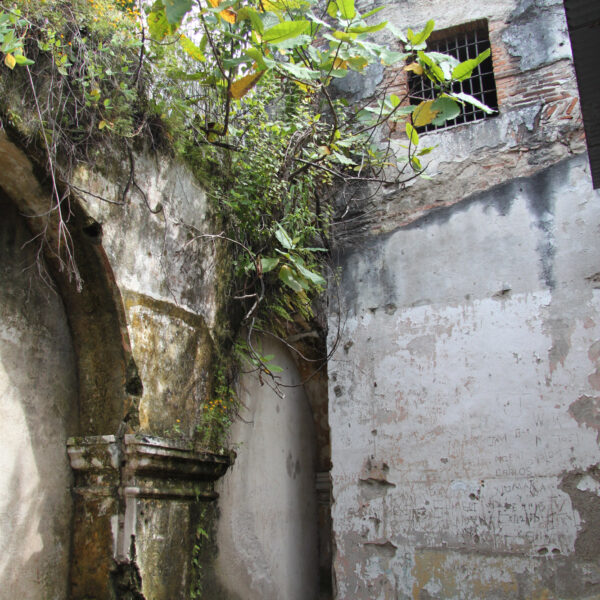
x,y
267,534
463,391
122,363
38,410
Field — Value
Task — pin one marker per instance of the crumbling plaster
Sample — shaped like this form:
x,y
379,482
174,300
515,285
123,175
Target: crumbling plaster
x,y
463,388
468,342
146,234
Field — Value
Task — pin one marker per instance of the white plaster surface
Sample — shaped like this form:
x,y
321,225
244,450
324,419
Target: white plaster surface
x,y
467,339
267,533
37,401
150,252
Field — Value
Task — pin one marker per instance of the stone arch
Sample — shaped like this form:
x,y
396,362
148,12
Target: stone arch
x,y
98,374
108,381
131,490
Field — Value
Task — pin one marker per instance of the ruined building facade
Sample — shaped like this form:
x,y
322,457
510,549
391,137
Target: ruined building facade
x,y
463,396
453,451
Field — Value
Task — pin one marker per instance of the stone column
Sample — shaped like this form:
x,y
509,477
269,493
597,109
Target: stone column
x,y
135,515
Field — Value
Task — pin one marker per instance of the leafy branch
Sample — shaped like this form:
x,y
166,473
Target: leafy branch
x,y
244,92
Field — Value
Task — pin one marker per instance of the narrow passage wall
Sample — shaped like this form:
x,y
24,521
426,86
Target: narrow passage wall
x,y
267,533
38,410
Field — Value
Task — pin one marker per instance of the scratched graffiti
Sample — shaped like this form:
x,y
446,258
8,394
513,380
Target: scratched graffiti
x,y
503,515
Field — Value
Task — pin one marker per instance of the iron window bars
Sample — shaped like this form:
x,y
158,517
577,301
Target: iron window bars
x,y
463,42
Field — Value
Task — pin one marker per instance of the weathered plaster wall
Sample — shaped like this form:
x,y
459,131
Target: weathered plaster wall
x,y
168,286
168,282
463,393
539,120
267,533
463,400
38,388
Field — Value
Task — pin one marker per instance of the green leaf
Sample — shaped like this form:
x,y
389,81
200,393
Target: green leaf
x,y
268,264
247,12
426,150
433,71
416,163
176,10
190,48
467,98
357,63
344,160
332,9
298,71
343,36
368,28
21,60
229,63
412,134
313,277
372,12
447,109
389,57
10,42
291,279
284,239
256,55
419,38
158,25
464,70
285,31
347,9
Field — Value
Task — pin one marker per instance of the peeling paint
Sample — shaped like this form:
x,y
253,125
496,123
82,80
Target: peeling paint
x,y
452,434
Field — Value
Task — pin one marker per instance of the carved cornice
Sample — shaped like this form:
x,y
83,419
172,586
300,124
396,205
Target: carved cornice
x,y
144,466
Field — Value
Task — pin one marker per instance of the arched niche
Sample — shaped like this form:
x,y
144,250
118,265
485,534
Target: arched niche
x,y
66,371
107,376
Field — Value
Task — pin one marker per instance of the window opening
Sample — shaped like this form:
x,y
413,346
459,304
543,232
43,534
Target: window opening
x,y
463,42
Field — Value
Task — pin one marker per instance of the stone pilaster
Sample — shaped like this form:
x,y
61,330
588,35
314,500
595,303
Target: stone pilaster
x,y
136,506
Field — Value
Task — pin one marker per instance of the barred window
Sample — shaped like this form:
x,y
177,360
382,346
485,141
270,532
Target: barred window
x,y
462,42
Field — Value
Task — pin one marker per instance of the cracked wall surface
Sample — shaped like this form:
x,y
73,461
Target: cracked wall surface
x,y
463,390
464,400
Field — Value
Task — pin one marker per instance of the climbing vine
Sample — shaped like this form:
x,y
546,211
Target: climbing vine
x,y
243,91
